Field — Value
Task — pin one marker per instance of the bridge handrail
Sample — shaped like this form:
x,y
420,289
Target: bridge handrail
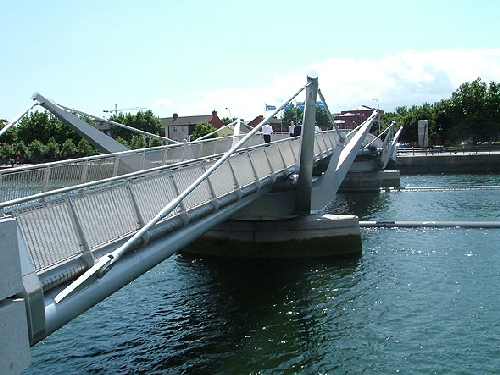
x,y
106,262
76,224
100,213
76,241
24,181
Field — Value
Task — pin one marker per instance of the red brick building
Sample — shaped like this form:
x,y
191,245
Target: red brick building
x,y
274,122
351,118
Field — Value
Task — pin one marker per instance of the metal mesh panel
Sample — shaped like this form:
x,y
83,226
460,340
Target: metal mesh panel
x,y
243,170
222,179
259,160
184,177
273,153
207,148
330,139
175,154
49,233
128,163
154,157
62,175
21,184
317,147
223,145
152,194
151,158
105,215
334,139
296,150
99,169
193,150
286,150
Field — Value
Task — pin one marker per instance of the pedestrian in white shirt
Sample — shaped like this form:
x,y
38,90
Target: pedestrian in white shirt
x,y
291,128
267,131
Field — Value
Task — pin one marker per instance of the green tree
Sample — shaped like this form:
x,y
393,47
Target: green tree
x,y
10,135
122,141
38,125
469,106
227,120
6,150
37,149
53,148
201,130
137,142
155,142
68,148
322,118
85,148
145,121
292,113
20,149
492,112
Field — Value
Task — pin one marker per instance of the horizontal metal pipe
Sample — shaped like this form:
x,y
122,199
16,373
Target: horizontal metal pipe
x,y
131,266
430,224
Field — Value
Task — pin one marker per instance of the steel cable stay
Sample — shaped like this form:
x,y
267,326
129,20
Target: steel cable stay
x,y
103,265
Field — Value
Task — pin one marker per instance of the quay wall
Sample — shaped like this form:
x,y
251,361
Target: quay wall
x,y
448,163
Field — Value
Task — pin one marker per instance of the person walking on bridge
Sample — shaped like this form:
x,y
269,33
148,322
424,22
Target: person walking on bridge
x,y
291,128
267,131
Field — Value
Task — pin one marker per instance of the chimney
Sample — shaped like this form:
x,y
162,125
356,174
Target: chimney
x,y
214,113
175,116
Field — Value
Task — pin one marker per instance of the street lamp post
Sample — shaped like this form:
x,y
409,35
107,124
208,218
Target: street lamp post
x,y
230,117
378,117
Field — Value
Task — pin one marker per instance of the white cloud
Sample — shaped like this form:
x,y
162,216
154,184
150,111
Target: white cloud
x,y
161,107
405,78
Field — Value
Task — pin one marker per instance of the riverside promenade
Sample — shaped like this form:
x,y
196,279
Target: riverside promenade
x,y
453,161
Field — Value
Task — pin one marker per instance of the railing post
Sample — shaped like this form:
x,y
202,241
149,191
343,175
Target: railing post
x,y
304,184
46,179
86,254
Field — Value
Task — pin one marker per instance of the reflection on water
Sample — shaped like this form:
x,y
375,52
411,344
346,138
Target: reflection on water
x,y
420,300
363,205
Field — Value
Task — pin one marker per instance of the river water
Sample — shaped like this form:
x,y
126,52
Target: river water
x,y
418,300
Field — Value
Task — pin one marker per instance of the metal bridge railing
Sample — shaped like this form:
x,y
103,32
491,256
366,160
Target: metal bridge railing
x,y
28,180
65,230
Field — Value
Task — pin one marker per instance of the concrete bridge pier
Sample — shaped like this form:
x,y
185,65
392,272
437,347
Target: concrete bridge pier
x,y
14,343
280,223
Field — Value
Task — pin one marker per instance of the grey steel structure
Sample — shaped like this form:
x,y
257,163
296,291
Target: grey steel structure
x,y
80,243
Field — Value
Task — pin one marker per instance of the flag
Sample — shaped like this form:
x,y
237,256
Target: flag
x,y
270,107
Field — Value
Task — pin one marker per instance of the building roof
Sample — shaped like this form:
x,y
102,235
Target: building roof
x,y
191,121
186,120
362,108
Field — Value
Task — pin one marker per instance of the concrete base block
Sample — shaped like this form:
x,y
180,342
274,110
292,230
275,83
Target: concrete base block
x,y
300,237
15,351
11,277
370,180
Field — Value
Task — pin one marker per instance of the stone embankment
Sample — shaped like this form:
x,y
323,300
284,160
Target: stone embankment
x,y
455,162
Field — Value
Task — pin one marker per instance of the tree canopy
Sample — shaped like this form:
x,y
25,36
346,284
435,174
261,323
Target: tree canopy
x,y
142,120
201,130
294,112
471,113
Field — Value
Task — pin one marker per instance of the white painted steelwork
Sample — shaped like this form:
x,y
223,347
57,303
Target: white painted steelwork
x,y
74,234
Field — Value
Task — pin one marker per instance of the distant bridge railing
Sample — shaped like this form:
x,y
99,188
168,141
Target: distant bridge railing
x,y
24,181
436,150
67,229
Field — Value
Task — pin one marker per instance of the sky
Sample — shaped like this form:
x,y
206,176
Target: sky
x,y
194,56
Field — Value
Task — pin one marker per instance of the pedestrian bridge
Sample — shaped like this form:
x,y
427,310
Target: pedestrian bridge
x,y
87,227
